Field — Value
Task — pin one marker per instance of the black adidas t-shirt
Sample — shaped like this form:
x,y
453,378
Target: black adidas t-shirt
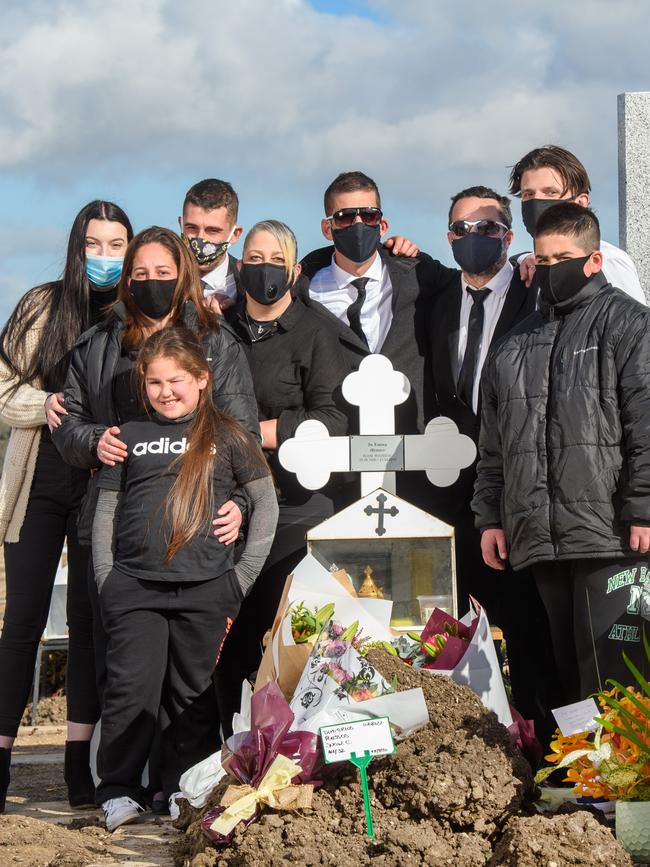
x,y
145,480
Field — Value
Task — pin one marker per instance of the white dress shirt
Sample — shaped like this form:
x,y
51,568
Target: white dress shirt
x,y
492,307
331,287
620,271
219,281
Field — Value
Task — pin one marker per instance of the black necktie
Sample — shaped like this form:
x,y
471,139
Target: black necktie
x,y
474,335
354,310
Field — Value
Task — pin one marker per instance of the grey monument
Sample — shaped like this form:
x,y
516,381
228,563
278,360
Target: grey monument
x,y
634,180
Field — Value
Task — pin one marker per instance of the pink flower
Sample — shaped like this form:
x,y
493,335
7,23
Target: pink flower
x,y
339,674
362,694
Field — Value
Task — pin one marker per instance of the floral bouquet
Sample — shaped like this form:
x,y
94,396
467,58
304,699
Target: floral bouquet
x,y
312,595
273,765
441,645
336,675
462,649
613,762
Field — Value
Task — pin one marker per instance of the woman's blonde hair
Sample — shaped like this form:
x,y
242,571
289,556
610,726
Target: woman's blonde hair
x,y
286,241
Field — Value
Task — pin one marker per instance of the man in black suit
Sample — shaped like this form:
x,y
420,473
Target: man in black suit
x,y
209,228
487,299
376,302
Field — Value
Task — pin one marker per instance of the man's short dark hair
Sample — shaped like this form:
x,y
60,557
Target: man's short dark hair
x,y
349,182
569,168
484,193
567,218
212,193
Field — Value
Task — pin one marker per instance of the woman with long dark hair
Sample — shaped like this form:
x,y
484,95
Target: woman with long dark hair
x,y
40,494
160,287
101,392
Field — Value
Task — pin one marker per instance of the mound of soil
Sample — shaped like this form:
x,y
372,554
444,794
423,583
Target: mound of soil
x,y
51,711
28,841
436,800
456,792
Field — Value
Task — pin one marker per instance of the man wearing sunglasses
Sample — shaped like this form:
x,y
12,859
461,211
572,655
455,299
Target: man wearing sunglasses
x,y
486,301
377,302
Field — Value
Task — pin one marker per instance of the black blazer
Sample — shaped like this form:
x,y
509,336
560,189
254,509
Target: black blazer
x,y
416,283
443,325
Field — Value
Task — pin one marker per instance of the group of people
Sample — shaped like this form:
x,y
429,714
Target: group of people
x,y
149,390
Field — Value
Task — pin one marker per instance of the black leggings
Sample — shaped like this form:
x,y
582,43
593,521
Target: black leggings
x,y
242,650
31,565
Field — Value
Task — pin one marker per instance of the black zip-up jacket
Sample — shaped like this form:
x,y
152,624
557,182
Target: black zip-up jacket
x,y
89,384
565,429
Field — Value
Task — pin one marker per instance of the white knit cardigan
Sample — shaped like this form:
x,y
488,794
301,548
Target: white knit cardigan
x,y
24,410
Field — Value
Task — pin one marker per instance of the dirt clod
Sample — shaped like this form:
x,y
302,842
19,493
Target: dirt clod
x,y
575,839
42,844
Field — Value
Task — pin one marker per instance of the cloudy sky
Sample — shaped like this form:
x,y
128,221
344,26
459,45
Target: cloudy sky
x,y
134,100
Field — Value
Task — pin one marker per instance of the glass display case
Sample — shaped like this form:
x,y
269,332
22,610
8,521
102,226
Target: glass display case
x,y
391,550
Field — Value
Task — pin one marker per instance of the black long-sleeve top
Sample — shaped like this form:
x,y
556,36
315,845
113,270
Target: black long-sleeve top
x,y
297,367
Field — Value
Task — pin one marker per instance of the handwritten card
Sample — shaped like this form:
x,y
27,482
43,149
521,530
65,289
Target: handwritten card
x,y
371,736
577,717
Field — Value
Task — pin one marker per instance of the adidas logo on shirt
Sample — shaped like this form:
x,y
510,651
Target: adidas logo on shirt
x,y
163,446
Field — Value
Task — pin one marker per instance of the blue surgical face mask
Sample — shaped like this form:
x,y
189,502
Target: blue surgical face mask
x,y
104,271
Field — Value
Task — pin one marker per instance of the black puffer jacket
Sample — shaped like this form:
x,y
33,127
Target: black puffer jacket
x,y
565,430
89,385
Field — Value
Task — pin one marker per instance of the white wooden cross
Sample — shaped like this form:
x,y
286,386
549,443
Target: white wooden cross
x,y
376,452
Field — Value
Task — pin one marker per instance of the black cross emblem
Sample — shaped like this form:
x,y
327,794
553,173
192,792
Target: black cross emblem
x,y
381,511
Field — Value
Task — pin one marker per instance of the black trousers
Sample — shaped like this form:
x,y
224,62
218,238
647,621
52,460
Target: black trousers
x,y
595,611
512,602
242,650
31,565
164,639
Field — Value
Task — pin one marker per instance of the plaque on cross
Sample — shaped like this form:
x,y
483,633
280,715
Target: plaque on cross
x,y
377,451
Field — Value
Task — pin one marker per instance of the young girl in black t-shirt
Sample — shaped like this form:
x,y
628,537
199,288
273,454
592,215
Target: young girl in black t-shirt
x,y
169,590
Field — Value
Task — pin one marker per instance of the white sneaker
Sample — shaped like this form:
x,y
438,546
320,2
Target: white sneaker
x,y
120,811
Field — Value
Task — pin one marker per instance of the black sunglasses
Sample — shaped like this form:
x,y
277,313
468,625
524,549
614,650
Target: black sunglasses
x,y
490,228
346,216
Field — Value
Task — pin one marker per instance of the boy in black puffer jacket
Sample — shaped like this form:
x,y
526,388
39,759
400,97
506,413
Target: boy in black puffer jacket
x,y
564,474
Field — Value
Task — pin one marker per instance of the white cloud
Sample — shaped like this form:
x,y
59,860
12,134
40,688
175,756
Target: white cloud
x,y
283,96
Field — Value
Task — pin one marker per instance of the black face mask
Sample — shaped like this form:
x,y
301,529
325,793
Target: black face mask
x,y
153,297
532,210
476,253
558,283
265,283
357,242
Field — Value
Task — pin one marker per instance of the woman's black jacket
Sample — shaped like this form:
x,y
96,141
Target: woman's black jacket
x,y
89,384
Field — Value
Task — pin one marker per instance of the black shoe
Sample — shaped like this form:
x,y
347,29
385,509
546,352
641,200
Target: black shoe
x,y
5,761
160,806
76,773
